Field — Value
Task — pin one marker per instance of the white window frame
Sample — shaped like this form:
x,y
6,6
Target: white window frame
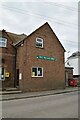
x,y
37,71
3,42
39,42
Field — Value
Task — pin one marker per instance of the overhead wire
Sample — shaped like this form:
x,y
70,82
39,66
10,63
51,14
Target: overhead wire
x,y
24,12
62,6
57,4
41,16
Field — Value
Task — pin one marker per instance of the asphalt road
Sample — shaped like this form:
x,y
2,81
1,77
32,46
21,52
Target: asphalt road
x,y
53,106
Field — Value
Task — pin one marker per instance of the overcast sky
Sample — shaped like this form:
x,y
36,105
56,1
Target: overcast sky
x,y
25,16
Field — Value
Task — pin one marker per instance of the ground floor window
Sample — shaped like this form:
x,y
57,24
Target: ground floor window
x,y
2,73
37,72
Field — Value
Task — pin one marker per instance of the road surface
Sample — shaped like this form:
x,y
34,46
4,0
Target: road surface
x,y
52,106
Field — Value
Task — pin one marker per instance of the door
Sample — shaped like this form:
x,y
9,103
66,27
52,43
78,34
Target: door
x,y
66,78
2,73
17,83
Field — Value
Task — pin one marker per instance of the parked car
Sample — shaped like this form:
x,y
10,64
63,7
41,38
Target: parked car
x,y
73,82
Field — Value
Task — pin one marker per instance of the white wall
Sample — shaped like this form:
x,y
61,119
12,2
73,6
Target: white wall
x,y
74,62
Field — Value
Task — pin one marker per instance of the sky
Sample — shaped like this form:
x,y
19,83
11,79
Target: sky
x,y
25,16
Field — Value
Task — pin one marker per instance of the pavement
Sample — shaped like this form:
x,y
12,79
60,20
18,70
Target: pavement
x,y
12,95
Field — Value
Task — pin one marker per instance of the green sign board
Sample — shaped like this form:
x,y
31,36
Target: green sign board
x,y
46,58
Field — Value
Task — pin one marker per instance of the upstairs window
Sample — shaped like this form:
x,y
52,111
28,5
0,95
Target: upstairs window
x,y
39,42
3,42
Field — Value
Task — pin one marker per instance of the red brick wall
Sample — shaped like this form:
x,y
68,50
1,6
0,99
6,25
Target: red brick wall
x,y
8,54
53,71
21,62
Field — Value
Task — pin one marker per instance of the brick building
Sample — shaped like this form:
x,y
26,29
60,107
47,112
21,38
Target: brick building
x,y
32,63
8,58
40,61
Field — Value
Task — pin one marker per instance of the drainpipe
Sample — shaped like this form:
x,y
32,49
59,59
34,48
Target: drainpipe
x,y
15,67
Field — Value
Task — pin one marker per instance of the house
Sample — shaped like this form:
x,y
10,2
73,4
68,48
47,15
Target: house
x,y
40,61
74,61
8,58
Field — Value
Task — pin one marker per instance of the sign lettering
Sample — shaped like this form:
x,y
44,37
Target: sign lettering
x,y
46,58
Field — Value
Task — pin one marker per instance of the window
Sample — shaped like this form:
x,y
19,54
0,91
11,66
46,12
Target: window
x,y
2,73
3,42
39,42
37,72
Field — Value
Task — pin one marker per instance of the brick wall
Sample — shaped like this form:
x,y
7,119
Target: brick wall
x,y
53,71
8,55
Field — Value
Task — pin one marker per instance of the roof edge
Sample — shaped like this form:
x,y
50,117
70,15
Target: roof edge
x,y
51,30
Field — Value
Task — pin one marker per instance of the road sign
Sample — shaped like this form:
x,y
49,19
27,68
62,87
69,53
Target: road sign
x,y
46,58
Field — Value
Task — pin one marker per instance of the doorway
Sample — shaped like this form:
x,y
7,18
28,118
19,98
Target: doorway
x,y
17,82
2,73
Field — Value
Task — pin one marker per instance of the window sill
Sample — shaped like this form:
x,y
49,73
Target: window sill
x,y
40,47
4,47
37,76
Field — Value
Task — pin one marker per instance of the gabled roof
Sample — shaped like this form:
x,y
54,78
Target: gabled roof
x,y
55,36
14,37
51,30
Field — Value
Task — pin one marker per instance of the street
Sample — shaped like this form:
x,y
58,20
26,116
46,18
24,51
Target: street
x,y
52,106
